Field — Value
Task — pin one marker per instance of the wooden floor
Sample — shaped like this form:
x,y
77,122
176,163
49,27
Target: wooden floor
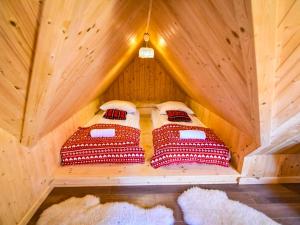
x,y
280,202
143,174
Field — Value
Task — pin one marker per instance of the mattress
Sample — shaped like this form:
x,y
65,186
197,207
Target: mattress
x,y
132,120
159,120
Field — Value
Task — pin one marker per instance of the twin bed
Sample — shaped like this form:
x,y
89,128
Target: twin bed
x,y
118,139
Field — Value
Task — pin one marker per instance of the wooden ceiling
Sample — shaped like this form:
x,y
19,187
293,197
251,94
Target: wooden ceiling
x,y
82,45
18,29
209,48
59,55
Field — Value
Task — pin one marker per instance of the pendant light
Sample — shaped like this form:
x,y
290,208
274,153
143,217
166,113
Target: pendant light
x,y
146,51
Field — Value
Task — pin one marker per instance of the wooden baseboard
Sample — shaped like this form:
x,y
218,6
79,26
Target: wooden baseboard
x,y
36,205
268,180
140,181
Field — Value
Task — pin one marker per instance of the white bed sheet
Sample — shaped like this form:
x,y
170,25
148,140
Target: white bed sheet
x,y
132,120
159,120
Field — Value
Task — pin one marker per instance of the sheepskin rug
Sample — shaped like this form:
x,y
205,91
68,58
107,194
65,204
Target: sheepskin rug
x,y
89,211
212,207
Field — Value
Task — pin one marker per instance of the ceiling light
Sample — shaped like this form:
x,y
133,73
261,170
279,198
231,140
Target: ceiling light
x,y
132,40
162,41
146,52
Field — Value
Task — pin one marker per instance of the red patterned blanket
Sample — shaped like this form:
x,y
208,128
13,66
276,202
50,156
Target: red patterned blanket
x,y
81,148
170,149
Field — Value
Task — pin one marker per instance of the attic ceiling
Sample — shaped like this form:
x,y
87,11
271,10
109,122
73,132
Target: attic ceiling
x,y
210,50
67,53
81,46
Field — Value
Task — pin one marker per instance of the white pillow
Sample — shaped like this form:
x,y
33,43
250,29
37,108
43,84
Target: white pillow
x,y
129,107
173,105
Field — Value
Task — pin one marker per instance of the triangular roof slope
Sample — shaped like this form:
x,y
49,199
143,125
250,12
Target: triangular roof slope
x,y
210,50
82,47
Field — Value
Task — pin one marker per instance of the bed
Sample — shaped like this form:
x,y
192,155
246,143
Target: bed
x,y
170,149
123,147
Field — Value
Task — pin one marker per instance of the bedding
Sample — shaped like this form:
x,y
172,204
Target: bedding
x,y
173,105
159,120
115,114
97,133
81,148
192,134
129,107
178,116
132,120
170,149
123,147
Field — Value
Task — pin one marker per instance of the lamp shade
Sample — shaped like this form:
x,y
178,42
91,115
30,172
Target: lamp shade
x,y
146,52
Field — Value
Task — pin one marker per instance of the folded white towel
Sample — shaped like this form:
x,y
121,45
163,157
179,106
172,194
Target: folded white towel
x,y
102,133
192,134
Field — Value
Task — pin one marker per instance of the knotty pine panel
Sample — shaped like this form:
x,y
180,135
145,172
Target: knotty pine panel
x,y
209,47
239,143
287,83
144,80
27,173
18,27
81,47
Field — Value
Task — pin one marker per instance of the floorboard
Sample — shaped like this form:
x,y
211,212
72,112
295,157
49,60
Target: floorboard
x,y
280,202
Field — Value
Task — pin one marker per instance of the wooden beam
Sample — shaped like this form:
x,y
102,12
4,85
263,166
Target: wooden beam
x,y
281,165
264,24
18,28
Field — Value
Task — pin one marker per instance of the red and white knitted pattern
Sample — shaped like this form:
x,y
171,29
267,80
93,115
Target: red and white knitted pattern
x,y
178,116
115,114
81,148
170,149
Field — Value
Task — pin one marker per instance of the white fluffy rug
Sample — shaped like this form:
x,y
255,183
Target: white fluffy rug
x,y
212,207
89,211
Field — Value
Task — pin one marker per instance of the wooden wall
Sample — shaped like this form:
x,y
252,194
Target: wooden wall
x,y
208,46
18,27
278,75
239,143
286,110
81,47
144,80
287,80
27,173
271,168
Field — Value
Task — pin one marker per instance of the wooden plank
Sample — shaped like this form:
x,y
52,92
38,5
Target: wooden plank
x,y
284,117
145,80
281,165
269,180
36,204
30,170
264,25
18,27
239,143
206,56
77,57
